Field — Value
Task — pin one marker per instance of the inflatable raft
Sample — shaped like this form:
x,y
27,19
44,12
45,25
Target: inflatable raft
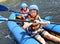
x,y
20,34
54,29
22,37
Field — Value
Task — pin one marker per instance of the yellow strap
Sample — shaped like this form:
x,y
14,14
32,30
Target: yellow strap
x,y
19,17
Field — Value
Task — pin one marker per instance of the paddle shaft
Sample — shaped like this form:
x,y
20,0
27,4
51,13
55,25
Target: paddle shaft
x,y
13,11
14,20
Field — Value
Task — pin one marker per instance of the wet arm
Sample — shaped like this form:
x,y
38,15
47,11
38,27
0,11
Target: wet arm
x,y
44,23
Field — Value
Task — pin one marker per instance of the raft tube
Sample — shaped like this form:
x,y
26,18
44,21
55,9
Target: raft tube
x,y
53,27
20,34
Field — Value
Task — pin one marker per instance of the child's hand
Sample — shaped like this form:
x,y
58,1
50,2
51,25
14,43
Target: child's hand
x,y
37,21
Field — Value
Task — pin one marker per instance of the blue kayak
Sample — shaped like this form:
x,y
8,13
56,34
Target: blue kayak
x,y
20,34
52,27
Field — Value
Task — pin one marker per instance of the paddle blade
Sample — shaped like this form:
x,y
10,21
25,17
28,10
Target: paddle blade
x,y
1,17
3,8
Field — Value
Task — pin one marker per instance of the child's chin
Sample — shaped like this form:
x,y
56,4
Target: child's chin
x,y
33,16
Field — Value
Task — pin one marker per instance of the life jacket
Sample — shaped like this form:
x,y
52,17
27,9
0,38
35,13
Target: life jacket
x,y
20,17
32,19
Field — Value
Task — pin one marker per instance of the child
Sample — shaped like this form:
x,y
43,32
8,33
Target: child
x,y
23,12
24,9
35,28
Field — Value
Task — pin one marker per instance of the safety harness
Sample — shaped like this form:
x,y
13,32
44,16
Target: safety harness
x,y
30,18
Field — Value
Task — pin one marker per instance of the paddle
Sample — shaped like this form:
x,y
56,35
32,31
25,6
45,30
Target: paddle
x,y
18,20
4,8
5,19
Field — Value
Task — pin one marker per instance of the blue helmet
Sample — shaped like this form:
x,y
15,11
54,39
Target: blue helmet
x,y
23,5
34,7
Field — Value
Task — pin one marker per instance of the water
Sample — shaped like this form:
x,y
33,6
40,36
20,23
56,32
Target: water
x,y
46,7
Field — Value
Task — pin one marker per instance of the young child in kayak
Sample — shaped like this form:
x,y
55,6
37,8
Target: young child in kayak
x,y
23,12
24,8
35,28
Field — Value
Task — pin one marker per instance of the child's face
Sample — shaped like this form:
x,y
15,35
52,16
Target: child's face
x,y
23,10
33,13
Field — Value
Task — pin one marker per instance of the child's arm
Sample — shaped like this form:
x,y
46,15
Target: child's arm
x,y
42,23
